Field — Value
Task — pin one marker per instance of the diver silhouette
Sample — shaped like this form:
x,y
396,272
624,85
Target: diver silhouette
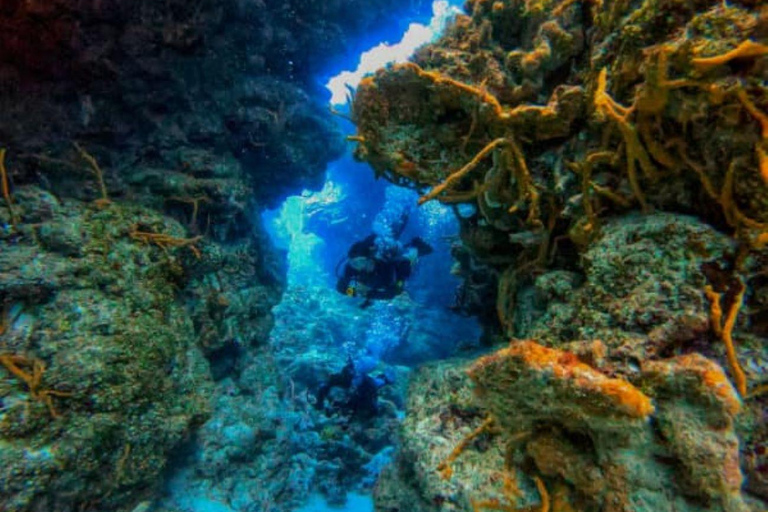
x,y
359,391
377,267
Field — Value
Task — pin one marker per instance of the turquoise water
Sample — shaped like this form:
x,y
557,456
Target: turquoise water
x,y
355,503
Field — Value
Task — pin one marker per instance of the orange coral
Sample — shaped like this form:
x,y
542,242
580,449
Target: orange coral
x,y
164,241
5,188
33,378
699,374
567,366
746,49
724,331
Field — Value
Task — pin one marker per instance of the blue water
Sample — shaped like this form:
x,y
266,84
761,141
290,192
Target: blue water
x,y
355,503
317,330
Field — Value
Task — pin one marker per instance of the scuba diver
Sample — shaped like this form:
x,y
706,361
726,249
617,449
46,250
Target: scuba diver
x,y
359,391
377,267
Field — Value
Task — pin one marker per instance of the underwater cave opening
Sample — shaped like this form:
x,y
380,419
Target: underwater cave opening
x,y
326,329
341,362
322,332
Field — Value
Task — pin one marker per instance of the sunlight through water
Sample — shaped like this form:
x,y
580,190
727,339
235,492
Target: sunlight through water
x,y
384,53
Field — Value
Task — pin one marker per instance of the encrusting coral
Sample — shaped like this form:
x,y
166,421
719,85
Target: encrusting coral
x,y
665,441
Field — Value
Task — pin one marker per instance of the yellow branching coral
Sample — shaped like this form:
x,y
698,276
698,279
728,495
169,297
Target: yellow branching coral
x,y
762,389
754,232
455,176
164,241
444,468
439,78
96,169
5,321
762,118
195,202
6,188
635,152
746,49
526,188
30,371
754,111
545,506
724,331
762,161
584,171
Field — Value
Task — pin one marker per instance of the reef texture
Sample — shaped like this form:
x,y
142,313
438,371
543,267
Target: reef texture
x,y
607,161
551,431
139,142
265,423
102,374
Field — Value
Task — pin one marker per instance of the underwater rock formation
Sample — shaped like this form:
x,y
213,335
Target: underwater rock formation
x,y
268,422
596,442
556,129
139,142
102,372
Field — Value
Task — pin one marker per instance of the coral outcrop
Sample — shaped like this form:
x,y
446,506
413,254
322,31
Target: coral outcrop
x,y
102,373
139,142
560,431
599,434
606,161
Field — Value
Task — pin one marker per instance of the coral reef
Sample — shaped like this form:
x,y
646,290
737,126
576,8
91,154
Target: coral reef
x,y
607,163
564,406
102,373
523,118
549,427
263,424
139,143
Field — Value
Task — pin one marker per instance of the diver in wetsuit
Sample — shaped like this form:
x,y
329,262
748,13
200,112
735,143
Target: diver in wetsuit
x,y
359,389
377,267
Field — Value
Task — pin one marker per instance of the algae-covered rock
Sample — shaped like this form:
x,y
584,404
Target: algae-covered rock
x,y
440,412
101,374
581,133
642,290
540,425
599,435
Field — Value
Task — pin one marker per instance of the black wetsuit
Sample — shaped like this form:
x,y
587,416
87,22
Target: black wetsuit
x,y
361,392
368,275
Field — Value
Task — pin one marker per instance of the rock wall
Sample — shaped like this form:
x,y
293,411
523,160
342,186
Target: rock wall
x,y
139,141
608,163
